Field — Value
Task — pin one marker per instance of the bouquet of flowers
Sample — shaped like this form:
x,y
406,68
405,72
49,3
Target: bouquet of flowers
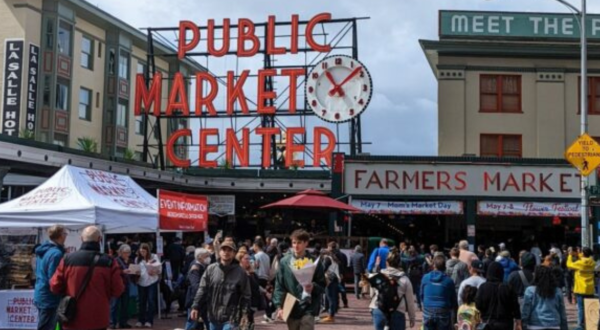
x,y
304,269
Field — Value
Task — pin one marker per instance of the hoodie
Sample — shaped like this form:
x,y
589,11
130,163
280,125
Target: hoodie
x,y
457,270
438,291
405,290
495,300
509,266
48,256
584,274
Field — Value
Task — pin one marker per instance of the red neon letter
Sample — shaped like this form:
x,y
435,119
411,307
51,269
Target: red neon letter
x,y
236,91
183,46
309,33
207,101
263,95
293,74
319,153
211,38
246,32
271,49
294,39
267,133
242,151
290,147
176,161
205,149
145,98
178,90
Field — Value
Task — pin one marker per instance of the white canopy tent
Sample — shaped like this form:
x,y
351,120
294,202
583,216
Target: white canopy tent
x,y
79,197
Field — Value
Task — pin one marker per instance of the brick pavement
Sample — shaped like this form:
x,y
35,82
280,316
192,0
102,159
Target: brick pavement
x,y
357,316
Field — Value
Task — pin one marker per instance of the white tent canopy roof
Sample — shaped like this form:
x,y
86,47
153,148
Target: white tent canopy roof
x,y
79,197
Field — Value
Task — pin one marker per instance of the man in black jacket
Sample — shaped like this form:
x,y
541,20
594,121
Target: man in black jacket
x,y
518,281
224,291
341,256
359,267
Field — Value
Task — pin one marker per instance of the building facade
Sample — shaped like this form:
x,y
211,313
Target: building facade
x,y
508,83
85,63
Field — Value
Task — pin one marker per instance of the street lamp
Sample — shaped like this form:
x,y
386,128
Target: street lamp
x,y
585,221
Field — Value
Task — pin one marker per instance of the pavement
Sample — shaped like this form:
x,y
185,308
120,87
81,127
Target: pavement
x,y
357,316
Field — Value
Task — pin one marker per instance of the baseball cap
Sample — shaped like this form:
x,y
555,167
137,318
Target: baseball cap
x,y
477,265
229,245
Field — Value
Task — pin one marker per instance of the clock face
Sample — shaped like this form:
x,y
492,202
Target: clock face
x,y
339,88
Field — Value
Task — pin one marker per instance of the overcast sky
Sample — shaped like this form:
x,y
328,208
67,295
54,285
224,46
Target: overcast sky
x,y
402,116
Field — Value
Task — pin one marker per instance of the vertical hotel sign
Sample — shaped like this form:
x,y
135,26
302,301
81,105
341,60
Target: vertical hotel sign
x,y
13,76
32,86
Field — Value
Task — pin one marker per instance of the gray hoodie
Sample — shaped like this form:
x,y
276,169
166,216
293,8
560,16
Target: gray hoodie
x,y
405,290
457,271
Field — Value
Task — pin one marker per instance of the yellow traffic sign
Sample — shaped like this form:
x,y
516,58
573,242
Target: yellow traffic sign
x,y
584,154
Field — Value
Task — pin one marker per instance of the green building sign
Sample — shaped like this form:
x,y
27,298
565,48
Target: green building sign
x,y
517,25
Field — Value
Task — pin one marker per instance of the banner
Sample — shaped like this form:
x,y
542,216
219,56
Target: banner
x,y
182,211
32,87
17,310
530,209
13,76
391,207
221,205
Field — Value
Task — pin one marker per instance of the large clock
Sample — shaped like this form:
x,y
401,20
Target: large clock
x,y
339,88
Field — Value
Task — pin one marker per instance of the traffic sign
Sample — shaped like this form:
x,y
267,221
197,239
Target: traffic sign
x,y
584,154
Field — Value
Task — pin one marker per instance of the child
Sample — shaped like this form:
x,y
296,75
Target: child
x,y
468,316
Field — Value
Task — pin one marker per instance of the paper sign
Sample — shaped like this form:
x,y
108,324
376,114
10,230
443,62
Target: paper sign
x,y
159,245
288,306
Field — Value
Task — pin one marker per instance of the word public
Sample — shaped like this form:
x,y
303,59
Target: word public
x,y
148,98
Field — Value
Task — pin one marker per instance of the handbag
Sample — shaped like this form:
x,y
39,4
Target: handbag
x,y
67,308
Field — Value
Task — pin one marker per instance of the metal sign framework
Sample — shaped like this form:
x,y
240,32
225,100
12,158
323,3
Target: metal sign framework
x,y
344,40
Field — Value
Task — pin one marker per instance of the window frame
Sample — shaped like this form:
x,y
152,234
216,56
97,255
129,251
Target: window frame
x,y
500,144
89,53
499,93
88,110
60,83
69,40
124,115
126,57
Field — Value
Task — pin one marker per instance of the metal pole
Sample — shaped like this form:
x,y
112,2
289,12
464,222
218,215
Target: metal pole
x,y
585,242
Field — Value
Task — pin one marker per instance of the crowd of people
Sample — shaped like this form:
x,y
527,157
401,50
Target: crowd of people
x,y
219,285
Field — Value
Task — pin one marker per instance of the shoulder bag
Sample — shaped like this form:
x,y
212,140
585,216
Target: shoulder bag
x,y
67,308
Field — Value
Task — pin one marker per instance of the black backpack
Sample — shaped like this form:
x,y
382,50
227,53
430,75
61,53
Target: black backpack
x,y
387,292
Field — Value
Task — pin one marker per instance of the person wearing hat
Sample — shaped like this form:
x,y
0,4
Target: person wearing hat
x,y
476,270
521,279
224,291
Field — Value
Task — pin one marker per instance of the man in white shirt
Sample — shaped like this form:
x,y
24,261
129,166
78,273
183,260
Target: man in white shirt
x,y
262,263
476,269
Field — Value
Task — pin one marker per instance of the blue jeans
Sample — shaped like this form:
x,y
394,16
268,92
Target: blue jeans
x,y
147,303
221,326
580,309
332,292
397,320
357,278
437,319
119,309
46,318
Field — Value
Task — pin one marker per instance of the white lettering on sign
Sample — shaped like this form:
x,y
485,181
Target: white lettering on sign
x,y
494,24
478,24
550,24
567,27
460,23
461,180
596,26
532,209
536,24
507,20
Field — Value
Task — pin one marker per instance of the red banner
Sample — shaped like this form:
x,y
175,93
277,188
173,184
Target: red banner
x,y
183,212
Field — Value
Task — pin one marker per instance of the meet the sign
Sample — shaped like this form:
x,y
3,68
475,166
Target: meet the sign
x,y
13,77
520,25
462,180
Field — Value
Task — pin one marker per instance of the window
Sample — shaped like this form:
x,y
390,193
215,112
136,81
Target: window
x,y
139,125
61,139
49,34
64,38
62,96
141,67
500,145
85,104
500,93
87,53
593,95
122,115
123,65
47,93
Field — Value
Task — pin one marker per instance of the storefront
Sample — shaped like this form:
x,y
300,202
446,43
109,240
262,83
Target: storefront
x,y
445,199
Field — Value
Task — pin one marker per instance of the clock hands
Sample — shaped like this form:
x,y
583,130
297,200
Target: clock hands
x,y
338,88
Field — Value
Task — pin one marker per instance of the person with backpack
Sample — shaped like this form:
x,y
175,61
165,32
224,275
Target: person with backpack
x,y
438,294
544,305
381,252
497,302
468,316
394,297
521,279
413,266
456,269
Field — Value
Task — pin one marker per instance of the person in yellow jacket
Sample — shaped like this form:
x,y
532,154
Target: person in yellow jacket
x,y
584,280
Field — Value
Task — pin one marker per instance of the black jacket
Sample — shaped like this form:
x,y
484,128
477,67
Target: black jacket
x,y
193,282
516,283
359,264
496,301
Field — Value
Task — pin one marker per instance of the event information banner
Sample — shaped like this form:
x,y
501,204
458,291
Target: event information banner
x,y
17,310
422,207
530,209
520,25
180,211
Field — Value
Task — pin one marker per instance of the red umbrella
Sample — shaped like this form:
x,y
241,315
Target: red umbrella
x,y
312,199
